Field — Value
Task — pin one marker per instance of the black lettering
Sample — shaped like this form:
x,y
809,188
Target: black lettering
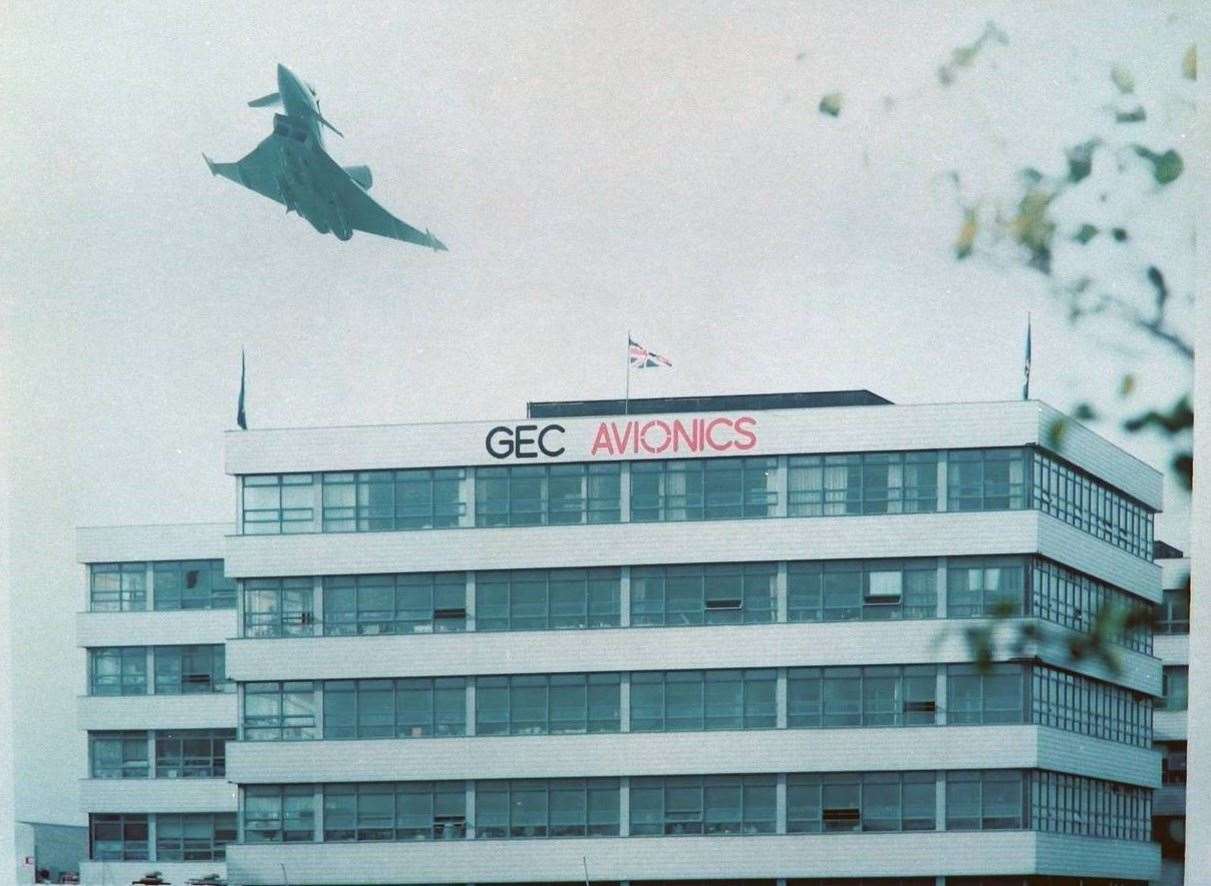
x,y
523,435
542,441
499,442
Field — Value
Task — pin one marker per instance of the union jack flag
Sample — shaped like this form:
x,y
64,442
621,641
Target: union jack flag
x,y
642,358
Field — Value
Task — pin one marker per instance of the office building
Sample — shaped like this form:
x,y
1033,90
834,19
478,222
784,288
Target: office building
x,y
703,639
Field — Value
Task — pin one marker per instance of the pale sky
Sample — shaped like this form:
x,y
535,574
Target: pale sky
x,y
593,168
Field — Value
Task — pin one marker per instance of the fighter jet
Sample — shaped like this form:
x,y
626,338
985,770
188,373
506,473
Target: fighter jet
x,y
292,167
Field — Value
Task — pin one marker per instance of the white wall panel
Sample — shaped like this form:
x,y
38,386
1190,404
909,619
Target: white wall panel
x,y
157,795
1063,855
635,544
1172,649
118,873
689,753
1169,725
95,629
201,711
628,649
836,429
1169,800
180,541
636,858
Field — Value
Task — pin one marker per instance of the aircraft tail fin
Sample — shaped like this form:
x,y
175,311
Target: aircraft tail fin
x,y
265,101
210,165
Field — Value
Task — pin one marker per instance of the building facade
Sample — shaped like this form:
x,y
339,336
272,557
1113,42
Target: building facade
x,y
797,641
1172,647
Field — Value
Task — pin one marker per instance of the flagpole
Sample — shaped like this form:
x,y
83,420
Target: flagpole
x,y
626,402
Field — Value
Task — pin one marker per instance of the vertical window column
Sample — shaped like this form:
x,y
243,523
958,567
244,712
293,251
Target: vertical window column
x,y
150,583
624,492
317,802
781,706
317,604
943,485
781,599
470,602
624,701
624,596
471,714
467,518
624,806
780,804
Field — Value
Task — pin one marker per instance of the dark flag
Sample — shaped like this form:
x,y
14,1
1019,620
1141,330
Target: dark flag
x,y
240,418
1026,382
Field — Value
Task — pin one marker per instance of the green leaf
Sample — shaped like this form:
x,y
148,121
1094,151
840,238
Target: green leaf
x,y
967,234
1127,386
1166,167
831,104
1135,116
1190,63
1119,234
1084,412
1085,233
1122,79
1056,432
1080,159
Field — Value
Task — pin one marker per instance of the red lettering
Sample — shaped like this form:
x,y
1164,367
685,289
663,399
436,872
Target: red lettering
x,y
622,442
602,440
664,444
710,434
692,438
742,430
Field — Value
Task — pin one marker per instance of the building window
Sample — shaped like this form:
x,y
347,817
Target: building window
x,y
871,483
117,837
276,504
279,814
195,837
735,593
845,697
279,711
1075,601
279,607
556,807
1091,506
187,670
557,495
382,501
703,489
555,599
118,754
986,479
192,753
118,670
1074,804
403,708
540,704
985,800
422,810
1081,704
1173,762
870,590
1176,687
980,588
854,801
118,587
985,695
421,603
678,701
1173,615
703,804
197,584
